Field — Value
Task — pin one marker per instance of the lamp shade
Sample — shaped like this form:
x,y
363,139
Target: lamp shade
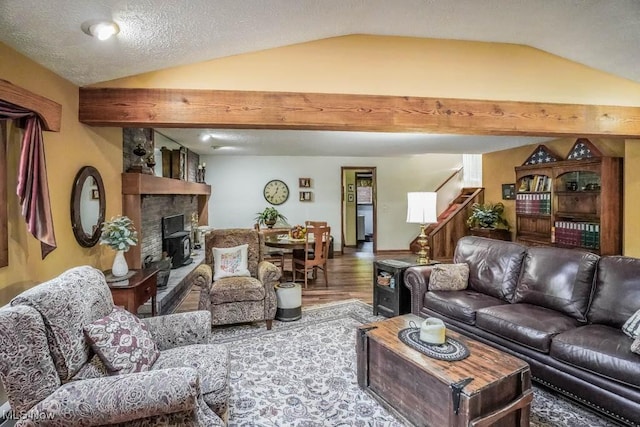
x,y
421,208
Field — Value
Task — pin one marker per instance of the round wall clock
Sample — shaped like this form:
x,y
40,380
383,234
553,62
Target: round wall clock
x,y
276,192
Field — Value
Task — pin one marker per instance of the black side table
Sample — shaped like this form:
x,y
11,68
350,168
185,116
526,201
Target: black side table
x,y
390,296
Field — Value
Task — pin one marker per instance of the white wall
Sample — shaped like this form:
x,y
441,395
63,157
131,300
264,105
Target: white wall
x,y
237,183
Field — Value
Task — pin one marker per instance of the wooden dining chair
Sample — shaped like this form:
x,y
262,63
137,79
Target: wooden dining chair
x,y
315,254
273,255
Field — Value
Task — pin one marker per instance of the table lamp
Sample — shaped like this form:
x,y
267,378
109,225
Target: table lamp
x,y
421,209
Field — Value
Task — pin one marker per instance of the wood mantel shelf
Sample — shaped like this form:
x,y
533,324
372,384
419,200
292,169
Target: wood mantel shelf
x,y
141,184
137,185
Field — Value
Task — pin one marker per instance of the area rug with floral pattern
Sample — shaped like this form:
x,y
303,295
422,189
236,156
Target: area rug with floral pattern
x,y
303,373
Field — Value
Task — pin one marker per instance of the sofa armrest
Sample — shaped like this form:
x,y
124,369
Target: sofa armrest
x,y
203,278
268,274
417,280
180,329
117,399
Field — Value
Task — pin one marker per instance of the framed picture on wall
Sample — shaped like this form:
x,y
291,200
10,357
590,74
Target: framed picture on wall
x,y
351,188
508,191
305,196
350,197
304,182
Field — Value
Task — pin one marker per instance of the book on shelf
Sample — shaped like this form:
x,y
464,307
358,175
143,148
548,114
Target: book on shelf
x,y
580,234
527,203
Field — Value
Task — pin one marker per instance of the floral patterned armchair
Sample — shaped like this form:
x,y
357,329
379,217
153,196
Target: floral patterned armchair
x,y
53,378
238,299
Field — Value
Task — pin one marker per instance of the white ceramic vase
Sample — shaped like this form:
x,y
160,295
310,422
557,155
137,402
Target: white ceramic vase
x,y
120,267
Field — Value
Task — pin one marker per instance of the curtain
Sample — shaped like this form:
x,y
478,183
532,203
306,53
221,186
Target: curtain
x,y
33,189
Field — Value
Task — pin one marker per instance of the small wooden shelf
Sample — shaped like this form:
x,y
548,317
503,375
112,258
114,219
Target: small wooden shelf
x,y
139,183
578,216
534,215
578,193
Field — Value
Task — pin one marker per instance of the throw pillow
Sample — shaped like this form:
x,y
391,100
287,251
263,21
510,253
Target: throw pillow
x,y
449,277
230,262
632,326
123,342
635,347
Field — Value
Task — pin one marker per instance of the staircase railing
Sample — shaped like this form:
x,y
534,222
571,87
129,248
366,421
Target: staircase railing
x,y
445,235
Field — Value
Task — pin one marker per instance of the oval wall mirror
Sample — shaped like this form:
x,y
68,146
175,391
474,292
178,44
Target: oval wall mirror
x,y
88,206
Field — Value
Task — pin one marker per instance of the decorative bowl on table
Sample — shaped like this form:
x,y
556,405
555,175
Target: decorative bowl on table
x,y
297,233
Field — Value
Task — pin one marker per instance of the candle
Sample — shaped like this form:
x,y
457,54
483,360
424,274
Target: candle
x,y
432,331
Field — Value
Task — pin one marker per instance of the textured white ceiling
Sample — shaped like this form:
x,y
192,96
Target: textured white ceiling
x,y
155,34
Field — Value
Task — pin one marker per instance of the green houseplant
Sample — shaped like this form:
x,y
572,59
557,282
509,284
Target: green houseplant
x,y
269,216
119,234
488,215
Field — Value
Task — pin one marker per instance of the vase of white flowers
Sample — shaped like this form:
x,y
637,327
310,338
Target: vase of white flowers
x,y
119,234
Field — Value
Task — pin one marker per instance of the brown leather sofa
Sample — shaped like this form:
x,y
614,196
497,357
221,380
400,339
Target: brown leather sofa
x,y
560,310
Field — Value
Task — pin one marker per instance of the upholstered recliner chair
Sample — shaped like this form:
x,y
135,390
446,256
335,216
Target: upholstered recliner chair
x,y
238,299
53,377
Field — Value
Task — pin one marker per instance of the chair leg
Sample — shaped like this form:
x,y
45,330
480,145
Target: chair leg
x,y
305,277
269,323
326,279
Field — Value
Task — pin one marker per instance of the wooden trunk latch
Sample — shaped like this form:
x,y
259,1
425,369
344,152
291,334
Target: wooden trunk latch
x,y
456,389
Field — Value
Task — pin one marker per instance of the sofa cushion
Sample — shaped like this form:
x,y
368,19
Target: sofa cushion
x,y
558,279
526,324
494,265
631,327
123,342
212,363
26,367
617,291
449,277
602,350
229,237
66,303
230,262
459,305
236,289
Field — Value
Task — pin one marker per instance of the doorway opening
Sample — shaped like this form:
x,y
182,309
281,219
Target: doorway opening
x,y
359,224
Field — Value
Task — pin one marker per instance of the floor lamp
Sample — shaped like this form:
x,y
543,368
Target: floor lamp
x,y
421,209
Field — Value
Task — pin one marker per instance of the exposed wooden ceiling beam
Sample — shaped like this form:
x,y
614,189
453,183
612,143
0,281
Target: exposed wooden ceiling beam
x,y
321,111
49,111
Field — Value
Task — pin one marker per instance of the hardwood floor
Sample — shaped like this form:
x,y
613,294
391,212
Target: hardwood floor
x,y
350,276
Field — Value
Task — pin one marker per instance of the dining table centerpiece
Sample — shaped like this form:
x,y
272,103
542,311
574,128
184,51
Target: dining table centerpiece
x,y
119,234
298,232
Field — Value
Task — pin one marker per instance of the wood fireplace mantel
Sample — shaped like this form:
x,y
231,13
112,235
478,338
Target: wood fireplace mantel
x,y
135,186
141,184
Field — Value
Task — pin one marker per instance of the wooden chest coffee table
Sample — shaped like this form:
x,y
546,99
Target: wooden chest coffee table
x,y
422,390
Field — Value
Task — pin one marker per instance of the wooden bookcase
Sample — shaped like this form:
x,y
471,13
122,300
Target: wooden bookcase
x,y
571,203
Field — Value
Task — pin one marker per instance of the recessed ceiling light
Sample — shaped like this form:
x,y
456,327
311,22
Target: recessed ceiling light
x,y
102,30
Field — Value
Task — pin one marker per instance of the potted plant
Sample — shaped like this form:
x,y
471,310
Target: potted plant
x,y
119,234
487,220
269,216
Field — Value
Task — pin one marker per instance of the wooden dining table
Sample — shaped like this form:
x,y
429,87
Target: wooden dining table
x,y
283,241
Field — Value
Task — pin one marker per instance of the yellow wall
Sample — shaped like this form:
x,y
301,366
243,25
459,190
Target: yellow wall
x,y
364,64
66,152
631,241
498,168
